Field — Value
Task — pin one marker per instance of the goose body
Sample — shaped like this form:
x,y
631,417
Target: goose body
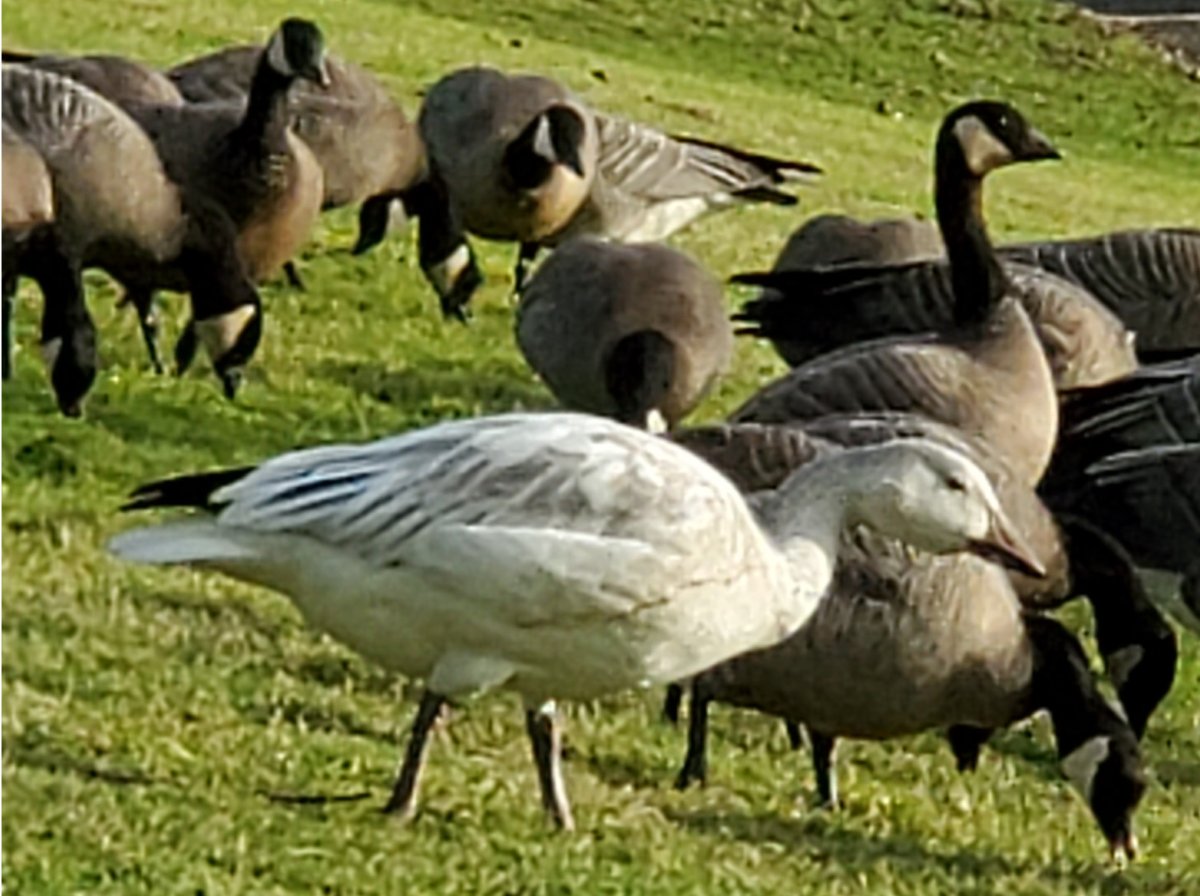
x,y
985,373
1149,278
625,330
120,80
558,555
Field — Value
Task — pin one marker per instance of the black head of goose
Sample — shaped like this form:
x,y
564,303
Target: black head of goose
x,y
637,332
989,375
904,642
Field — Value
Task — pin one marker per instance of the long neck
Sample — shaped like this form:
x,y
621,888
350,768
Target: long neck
x,y
266,109
978,277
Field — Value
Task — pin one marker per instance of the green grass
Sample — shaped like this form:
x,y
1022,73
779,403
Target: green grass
x,y
147,713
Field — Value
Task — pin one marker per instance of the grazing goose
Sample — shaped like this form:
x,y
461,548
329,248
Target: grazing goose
x,y
116,208
989,376
1150,278
369,151
1085,343
28,197
521,158
903,642
636,332
118,79
245,160
558,555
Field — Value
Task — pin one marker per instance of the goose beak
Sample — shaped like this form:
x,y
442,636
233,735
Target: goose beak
x,y
1005,546
320,74
1037,146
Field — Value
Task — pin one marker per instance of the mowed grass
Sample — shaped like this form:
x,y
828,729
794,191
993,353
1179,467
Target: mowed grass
x,y
150,716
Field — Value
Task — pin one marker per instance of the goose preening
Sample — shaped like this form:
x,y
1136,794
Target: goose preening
x,y
244,159
637,332
988,375
115,207
903,642
558,555
521,158
1150,278
369,152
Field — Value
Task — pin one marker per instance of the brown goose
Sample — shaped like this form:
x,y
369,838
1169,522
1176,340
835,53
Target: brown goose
x,y
1085,343
989,376
369,151
28,196
903,642
1150,278
637,332
118,79
116,208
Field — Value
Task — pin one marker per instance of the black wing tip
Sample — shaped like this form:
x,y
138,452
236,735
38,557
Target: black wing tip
x,y
189,490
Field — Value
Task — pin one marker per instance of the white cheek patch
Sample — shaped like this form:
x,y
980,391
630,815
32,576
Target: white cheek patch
x,y
1081,764
445,273
218,334
1120,664
982,149
656,423
277,55
542,144
51,349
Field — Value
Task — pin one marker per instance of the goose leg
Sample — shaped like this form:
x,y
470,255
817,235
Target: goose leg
x,y
695,764
142,301
10,285
545,736
822,746
185,347
403,801
293,276
795,735
671,703
966,741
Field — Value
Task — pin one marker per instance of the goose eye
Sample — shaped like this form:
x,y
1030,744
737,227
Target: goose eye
x,y
955,484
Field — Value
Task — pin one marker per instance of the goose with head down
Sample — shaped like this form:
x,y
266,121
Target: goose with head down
x,y
988,375
557,555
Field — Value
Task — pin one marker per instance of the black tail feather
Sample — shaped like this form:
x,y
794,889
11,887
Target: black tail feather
x,y
192,490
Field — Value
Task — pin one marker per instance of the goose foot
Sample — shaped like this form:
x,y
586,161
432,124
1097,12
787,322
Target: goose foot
x,y
966,742
403,801
794,734
545,736
695,764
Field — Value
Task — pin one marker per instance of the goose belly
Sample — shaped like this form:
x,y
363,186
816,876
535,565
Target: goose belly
x,y
280,225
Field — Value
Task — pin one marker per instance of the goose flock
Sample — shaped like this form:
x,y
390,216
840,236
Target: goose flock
x,y
872,546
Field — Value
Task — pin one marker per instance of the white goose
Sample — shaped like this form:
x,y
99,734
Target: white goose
x,y
559,555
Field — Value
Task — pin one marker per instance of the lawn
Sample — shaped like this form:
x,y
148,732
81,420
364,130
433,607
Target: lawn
x,y
152,720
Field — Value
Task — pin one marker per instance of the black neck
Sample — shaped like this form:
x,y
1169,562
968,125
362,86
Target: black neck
x,y
266,110
638,375
975,271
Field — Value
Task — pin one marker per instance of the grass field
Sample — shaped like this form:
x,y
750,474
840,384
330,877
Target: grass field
x,y
148,716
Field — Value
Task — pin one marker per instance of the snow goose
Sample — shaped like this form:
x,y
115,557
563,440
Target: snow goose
x,y
558,555
637,332
988,375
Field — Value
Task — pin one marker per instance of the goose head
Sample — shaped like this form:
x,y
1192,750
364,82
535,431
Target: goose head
x,y
553,139
297,50
937,499
987,134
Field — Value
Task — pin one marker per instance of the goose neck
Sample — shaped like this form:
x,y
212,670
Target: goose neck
x,y
977,276
266,108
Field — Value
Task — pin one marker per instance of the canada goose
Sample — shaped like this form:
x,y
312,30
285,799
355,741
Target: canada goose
x,y
368,149
1085,342
94,154
246,160
637,332
559,555
521,158
118,79
840,239
28,207
989,376
1150,278
903,642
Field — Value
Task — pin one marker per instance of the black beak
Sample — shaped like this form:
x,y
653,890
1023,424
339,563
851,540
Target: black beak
x,y
1037,146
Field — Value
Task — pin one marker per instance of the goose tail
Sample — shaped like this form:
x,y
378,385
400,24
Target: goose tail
x,y
182,542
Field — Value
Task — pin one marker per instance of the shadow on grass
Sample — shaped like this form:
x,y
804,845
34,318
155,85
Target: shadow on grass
x,y
621,770
491,384
36,752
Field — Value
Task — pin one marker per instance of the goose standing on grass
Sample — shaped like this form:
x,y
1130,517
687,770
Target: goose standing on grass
x,y
521,158
557,555
115,208
636,332
989,375
369,151
912,293
905,641
245,160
